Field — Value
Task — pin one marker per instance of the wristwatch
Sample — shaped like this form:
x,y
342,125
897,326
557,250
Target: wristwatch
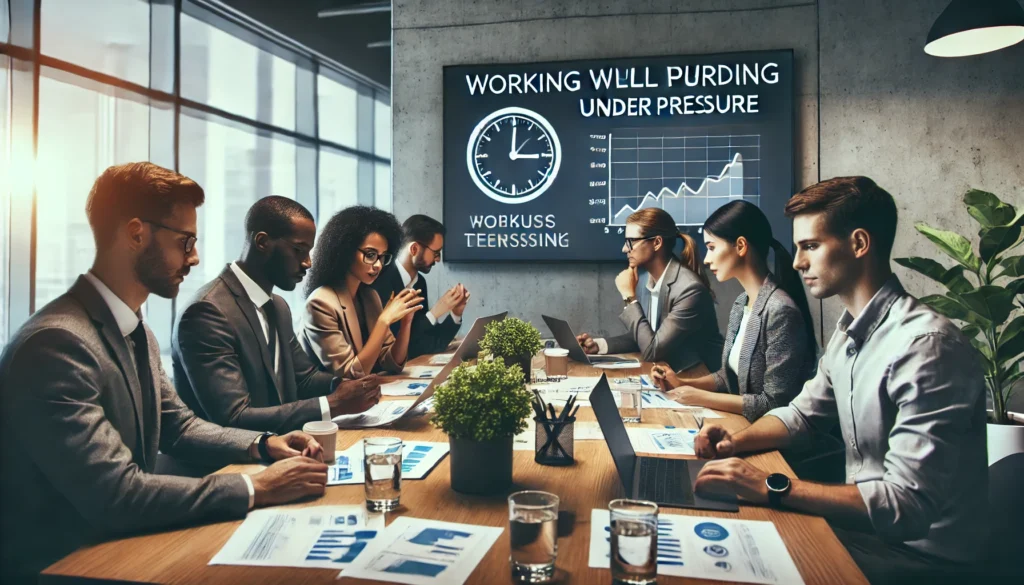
x,y
626,301
261,446
778,487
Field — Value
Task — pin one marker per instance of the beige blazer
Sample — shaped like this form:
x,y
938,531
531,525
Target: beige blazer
x,y
331,333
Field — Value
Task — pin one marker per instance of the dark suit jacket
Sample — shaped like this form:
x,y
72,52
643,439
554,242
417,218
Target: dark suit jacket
x,y
687,329
424,337
77,456
224,370
776,356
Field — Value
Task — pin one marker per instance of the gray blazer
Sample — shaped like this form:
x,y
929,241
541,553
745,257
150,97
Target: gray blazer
x,y
223,368
687,329
776,357
76,450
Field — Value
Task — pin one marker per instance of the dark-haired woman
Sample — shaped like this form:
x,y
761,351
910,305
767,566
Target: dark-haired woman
x,y
671,318
769,350
344,325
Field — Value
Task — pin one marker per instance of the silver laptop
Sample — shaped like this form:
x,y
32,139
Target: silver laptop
x,y
567,340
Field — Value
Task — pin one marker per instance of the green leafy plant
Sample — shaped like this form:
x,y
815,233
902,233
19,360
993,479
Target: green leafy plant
x,y
989,309
484,402
511,338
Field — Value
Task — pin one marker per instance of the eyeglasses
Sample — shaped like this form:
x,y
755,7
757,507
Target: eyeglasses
x,y
630,242
371,256
437,252
190,240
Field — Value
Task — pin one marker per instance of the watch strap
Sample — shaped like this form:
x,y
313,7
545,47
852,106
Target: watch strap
x,y
261,446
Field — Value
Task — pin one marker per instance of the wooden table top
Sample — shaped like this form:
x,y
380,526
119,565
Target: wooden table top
x,y
181,556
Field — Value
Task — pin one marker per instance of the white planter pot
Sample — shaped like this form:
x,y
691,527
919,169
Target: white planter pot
x,y
1004,440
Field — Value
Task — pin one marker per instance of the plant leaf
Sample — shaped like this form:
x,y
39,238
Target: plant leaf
x,y
988,209
954,309
1011,347
1014,328
997,240
1012,266
955,280
953,245
925,266
1009,380
1016,287
994,303
970,331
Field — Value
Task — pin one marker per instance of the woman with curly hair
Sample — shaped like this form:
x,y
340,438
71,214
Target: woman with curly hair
x,y
344,325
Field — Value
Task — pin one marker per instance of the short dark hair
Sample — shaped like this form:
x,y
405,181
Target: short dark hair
x,y
851,203
136,190
422,229
342,236
273,215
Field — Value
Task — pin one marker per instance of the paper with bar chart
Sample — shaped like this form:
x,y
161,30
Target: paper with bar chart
x,y
688,175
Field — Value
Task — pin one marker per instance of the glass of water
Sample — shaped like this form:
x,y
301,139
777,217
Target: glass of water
x,y
630,401
634,531
382,464
533,526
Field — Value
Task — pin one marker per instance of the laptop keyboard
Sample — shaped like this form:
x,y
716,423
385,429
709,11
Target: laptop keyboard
x,y
665,481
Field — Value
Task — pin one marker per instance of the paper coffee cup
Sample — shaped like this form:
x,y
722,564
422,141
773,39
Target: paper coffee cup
x,y
556,361
325,433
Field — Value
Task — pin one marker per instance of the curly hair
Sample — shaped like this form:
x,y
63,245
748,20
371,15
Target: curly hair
x,y
342,236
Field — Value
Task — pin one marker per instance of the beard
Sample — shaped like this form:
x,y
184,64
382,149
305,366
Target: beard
x,y
151,271
419,262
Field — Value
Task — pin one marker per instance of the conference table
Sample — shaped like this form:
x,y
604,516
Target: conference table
x,y
182,556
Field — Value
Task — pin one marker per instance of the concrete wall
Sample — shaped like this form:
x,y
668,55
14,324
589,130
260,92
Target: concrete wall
x,y
924,128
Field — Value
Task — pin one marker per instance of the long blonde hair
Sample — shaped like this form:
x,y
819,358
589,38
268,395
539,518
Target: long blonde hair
x,y
654,221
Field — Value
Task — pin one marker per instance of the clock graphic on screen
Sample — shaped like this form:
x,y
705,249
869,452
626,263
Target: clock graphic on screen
x,y
513,155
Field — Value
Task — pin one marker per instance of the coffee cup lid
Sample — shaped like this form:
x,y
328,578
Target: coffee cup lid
x,y
556,352
320,426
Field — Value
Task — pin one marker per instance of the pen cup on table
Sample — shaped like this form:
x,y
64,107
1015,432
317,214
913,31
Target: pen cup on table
x,y
554,441
382,464
634,541
630,401
325,433
533,530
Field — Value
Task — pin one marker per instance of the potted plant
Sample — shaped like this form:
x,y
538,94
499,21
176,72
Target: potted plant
x,y
513,340
985,294
482,408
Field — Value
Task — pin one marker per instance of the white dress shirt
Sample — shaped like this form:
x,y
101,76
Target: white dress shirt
x,y
410,280
737,344
127,320
602,343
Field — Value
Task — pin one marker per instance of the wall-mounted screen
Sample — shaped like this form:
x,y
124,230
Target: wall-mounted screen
x,y
545,161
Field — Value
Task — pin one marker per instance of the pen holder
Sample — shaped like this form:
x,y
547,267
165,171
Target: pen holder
x,y
554,441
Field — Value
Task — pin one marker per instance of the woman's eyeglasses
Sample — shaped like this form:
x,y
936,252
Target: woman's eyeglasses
x,y
370,256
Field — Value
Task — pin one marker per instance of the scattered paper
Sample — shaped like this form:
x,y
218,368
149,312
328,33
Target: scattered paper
x,y
441,359
643,382
742,551
588,431
663,441
630,365
658,399
418,459
424,552
382,413
422,372
524,441
403,388
326,537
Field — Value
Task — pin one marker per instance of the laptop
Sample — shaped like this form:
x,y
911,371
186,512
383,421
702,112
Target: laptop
x,y
666,482
389,411
567,339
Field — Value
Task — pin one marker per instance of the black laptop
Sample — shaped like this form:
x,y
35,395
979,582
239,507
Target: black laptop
x,y
567,340
470,345
666,482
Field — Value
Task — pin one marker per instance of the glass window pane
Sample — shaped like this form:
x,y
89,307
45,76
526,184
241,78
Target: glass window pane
x,y
5,26
339,183
337,111
382,186
228,73
382,129
109,36
5,193
83,129
235,166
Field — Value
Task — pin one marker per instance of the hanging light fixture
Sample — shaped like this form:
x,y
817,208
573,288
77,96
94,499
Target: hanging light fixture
x,y
972,27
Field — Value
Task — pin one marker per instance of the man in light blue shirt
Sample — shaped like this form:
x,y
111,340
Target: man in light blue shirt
x,y
906,388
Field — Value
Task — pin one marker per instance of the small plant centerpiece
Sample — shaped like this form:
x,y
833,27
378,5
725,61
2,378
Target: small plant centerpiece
x,y
985,296
482,408
514,341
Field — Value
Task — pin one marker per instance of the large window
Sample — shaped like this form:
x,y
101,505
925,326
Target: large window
x,y
254,114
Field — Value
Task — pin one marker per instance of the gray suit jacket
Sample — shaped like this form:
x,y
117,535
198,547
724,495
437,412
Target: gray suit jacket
x,y
776,356
687,329
77,457
223,368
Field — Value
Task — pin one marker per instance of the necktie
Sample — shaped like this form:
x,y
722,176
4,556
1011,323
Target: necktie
x,y
271,314
140,349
